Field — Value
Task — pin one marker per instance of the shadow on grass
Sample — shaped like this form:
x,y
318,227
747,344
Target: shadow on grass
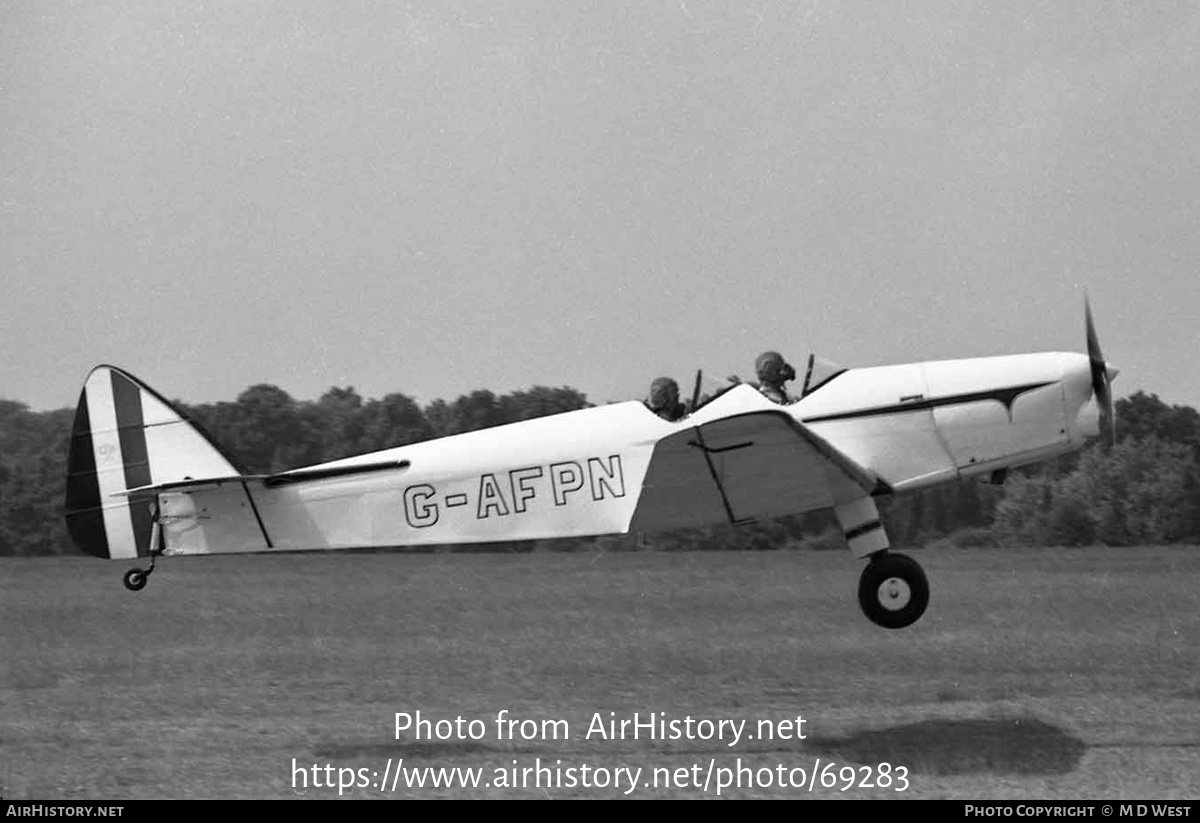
x,y
1011,746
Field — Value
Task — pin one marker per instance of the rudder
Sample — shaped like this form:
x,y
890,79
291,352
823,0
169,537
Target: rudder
x,y
126,436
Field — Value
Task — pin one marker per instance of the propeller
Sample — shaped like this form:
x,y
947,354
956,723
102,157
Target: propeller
x,y
1102,377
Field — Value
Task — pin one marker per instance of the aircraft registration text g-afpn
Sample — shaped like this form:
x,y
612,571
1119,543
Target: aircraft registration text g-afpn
x,y
515,491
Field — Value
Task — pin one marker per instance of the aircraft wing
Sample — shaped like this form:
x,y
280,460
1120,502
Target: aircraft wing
x,y
758,464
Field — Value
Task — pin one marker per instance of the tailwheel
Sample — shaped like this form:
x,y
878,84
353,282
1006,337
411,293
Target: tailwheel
x,y
893,591
135,579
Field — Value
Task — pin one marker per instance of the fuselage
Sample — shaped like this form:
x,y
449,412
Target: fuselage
x,y
582,473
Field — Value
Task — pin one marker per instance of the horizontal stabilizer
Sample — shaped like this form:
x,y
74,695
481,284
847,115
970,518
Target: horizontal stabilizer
x,y
188,483
268,480
324,473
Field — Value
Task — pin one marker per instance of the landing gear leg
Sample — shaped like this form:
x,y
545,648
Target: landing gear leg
x,y
892,590
135,579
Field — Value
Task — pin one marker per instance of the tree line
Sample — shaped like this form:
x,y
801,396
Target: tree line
x,y
1144,489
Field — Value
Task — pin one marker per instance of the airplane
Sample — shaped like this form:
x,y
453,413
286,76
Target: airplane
x,y
145,481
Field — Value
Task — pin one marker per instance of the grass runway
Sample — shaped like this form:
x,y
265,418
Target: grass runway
x,y
1035,674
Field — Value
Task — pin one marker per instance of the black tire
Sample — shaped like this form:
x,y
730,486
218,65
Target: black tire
x,y
893,591
135,580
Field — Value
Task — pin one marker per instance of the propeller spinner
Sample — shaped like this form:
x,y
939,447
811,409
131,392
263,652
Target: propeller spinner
x,y
1102,377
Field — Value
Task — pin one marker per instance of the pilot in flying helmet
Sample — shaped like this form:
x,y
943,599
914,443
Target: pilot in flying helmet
x,y
773,371
664,399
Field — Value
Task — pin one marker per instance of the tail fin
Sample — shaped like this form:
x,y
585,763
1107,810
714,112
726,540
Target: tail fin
x,y
126,436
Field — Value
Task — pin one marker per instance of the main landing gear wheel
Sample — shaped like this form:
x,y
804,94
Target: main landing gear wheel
x,y
893,591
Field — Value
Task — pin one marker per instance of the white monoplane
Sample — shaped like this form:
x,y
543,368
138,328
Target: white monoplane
x,y
143,481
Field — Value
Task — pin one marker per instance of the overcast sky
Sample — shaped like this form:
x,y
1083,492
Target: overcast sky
x,y
435,197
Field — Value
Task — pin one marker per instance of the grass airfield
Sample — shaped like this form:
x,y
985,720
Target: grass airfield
x,y
1035,674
